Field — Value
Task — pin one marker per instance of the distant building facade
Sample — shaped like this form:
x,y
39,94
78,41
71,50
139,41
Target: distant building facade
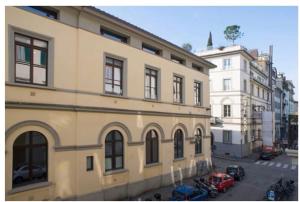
x,y
241,96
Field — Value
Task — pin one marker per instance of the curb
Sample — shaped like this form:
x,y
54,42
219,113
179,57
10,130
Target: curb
x,y
235,159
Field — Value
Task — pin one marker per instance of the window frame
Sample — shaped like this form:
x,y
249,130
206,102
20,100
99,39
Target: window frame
x,y
199,146
113,156
226,110
31,47
91,159
178,144
198,93
114,35
226,67
150,150
157,82
245,86
122,73
181,87
151,49
41,9
229,136
30,146
229,84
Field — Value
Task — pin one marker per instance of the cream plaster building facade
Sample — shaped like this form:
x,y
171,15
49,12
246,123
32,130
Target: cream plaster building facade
x,y
97,108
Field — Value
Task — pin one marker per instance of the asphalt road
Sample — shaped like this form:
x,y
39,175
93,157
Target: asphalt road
x,y
259,176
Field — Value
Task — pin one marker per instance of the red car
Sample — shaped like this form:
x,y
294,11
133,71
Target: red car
x,y
221,181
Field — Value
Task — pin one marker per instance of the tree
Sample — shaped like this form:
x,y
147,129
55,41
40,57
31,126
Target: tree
x,y
209,42
232,33
187,46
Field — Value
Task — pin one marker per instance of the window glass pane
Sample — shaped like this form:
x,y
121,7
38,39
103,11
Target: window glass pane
x,y
119,162
22,39
118,136
108,149
20,166
155,150
39,160
119,148
108,72
37,138
108,164
153,93
148,148
22,139
118,63
117,74
153,81
23,54
39,57
147,92
22,73
39,75
109,60
40,43
117,89
89,163
108,87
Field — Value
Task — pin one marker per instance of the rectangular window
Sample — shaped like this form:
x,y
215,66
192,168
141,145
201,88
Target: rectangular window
x,y
198,93
197,67
263,93
40,10
114,36
177,89
113,76
89,163
227,136
31,57
177,59
258,93
226,84
227,110
246,138
150,49
226,64
151,84
252,89
245,85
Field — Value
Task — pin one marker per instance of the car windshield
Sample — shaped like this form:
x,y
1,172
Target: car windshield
x,y
231,169
216,179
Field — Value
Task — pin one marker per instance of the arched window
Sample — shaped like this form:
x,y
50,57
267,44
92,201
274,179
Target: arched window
x,y
114,157
198,142
30,159
151,147
178,144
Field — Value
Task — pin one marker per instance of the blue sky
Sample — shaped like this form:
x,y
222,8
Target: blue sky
x,y
262,26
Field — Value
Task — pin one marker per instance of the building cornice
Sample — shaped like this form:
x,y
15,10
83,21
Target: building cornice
x,y
242,52
78,108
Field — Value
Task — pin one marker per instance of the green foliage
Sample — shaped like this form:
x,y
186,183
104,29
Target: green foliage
x,y
187,46
232,33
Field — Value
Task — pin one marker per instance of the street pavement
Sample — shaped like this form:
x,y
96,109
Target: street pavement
x,y
259,176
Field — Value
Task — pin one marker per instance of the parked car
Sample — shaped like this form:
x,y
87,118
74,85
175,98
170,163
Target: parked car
x,y
266,155
221,181
235,171
188,193
21,173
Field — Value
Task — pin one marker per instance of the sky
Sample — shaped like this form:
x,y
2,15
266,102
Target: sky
x,y
262,26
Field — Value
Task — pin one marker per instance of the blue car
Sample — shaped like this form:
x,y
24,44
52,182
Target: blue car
x,y
188,193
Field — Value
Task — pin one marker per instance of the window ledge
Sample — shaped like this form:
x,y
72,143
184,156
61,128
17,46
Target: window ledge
x,y
151,100
152,165
29,85
198,155
179,159
112,172
29,187
179,103
114,95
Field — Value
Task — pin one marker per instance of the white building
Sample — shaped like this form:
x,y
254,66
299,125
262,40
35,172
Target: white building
x,y
240,94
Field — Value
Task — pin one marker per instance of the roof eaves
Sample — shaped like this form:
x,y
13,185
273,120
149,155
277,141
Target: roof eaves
x,y
196,57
